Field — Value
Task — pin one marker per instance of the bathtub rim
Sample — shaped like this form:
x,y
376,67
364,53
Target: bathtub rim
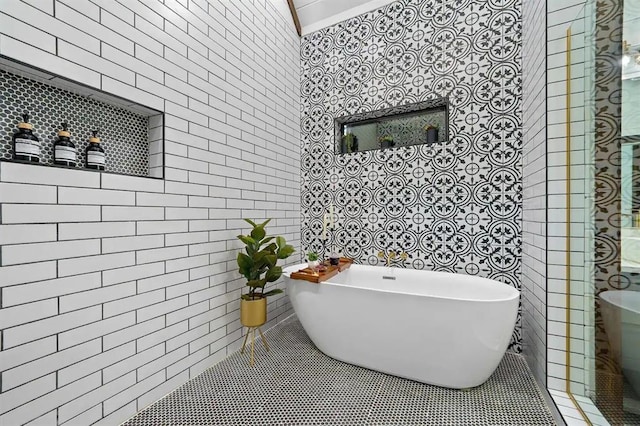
x,y
608,296
286,272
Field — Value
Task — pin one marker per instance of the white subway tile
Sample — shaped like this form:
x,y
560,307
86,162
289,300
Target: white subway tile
x,y
25,293
114,213
129,334
130,364
176,213
163,227
132,303
187,188
137,272
77,231
95,329
95,363
159,391
24,193
97,296
102,262
87,417
167,253
48,364
94,61
132,183
187,263
27,54
111,245
162,335
126,91
42,213
36,252
118,416
19,355
164,200
162,308
162,281
10,275
21,314
20,234
50,401
95,196
61,30
187,312
88,9
21,30
46,327
16,397
159,364
27,173
184,338
96,396
133,392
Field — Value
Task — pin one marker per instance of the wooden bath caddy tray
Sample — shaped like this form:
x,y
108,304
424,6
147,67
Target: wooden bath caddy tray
x,y
317,277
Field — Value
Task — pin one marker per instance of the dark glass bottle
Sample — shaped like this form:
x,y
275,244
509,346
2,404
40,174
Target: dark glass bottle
x,y
64,151
95,154
26,145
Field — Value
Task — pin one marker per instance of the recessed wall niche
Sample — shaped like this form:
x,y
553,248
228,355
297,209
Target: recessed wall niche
x,y
131,134
412,124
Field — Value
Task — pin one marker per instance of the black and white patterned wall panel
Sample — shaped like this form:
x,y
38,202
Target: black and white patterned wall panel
x,y
454,206
124,134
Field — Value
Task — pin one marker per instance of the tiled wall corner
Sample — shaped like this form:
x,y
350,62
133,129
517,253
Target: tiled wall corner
x,y
117,289
534,188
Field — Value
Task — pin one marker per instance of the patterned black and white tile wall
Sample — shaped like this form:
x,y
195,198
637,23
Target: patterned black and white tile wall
x,y
454,206
124,134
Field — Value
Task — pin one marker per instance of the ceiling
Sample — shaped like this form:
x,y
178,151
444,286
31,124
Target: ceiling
x,y
317,14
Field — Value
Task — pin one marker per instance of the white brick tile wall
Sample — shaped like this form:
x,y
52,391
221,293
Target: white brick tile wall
x,y
42,213
17,234
18,294
68,267
48,364
109,282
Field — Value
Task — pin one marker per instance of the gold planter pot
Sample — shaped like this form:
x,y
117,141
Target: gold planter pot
x,y
253,313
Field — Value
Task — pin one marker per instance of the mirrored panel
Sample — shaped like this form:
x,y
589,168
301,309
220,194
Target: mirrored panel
x,y
414,124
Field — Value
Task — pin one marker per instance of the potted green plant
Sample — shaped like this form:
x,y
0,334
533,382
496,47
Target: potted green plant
x,y
386,141
313,260
432,132
259,266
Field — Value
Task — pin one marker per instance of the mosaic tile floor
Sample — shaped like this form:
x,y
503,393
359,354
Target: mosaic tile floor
x,y
295,384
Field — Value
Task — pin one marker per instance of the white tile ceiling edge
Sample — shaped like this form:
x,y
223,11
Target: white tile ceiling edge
x,y
344,15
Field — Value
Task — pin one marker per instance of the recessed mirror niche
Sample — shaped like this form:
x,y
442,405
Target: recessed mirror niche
x,y
414,124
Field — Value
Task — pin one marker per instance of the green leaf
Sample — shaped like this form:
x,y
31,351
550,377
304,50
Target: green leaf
x,y
258,233
250,222
281,242
256,283
263,224
285,252
266,240
245,263
247,240
273,274
272,248
272,292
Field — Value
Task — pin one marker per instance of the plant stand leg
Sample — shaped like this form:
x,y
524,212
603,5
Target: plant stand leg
x,y
245,340
266,345
253,339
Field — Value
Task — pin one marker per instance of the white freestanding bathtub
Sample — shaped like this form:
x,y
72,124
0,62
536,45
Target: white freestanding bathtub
x,y
621,316
439,328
